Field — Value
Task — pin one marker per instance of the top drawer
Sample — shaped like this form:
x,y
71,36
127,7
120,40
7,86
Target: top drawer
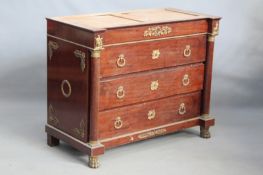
x,y
141,56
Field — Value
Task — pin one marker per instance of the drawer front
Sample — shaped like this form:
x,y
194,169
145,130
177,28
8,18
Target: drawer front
x,y
154,31
148,115
146,86
68,88
143,56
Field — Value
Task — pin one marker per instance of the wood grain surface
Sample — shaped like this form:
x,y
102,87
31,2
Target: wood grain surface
x,y
135,117
137,88
138,56
71,112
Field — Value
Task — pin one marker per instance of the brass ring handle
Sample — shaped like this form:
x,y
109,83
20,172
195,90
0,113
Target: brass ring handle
x,y
186,80
118,123
151,114
66,94
121,61
187,51
120,92
182,109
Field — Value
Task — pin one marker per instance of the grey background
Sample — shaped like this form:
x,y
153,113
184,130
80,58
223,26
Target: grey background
x,y
237,100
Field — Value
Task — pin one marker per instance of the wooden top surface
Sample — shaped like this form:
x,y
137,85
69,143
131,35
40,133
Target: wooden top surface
x,y
130,18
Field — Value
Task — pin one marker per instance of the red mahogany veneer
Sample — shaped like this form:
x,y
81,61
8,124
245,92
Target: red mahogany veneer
x,y
119,78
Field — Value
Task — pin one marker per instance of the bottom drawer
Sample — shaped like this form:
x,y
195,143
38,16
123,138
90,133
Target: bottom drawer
x,y
137,117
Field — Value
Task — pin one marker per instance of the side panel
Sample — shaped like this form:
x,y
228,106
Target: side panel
x,y
68,87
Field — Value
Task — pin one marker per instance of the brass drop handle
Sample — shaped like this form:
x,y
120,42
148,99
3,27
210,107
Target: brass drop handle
x,y
156,54
63,84
121,61
187,51
120,92
118,123
182,109
151,114
186,80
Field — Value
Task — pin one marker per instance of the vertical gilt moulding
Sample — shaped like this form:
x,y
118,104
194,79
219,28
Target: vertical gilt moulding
x,y
95,53
214,33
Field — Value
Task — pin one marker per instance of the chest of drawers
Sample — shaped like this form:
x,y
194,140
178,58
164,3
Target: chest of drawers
x,y
119,78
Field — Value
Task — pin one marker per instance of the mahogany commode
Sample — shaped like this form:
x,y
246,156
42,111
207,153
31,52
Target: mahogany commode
x,y
118,78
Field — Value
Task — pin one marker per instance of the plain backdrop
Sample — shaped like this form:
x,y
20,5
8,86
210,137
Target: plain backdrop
x,y
237,98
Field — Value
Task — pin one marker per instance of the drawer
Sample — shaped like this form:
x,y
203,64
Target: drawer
x,y
154,31
146,86
148,115
143,56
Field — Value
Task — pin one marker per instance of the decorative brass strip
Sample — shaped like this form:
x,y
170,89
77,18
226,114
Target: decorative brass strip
x,y
157,31
130,42
151,129
152,133
155,39
82,56
131,138
52,118
71,42
80,132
